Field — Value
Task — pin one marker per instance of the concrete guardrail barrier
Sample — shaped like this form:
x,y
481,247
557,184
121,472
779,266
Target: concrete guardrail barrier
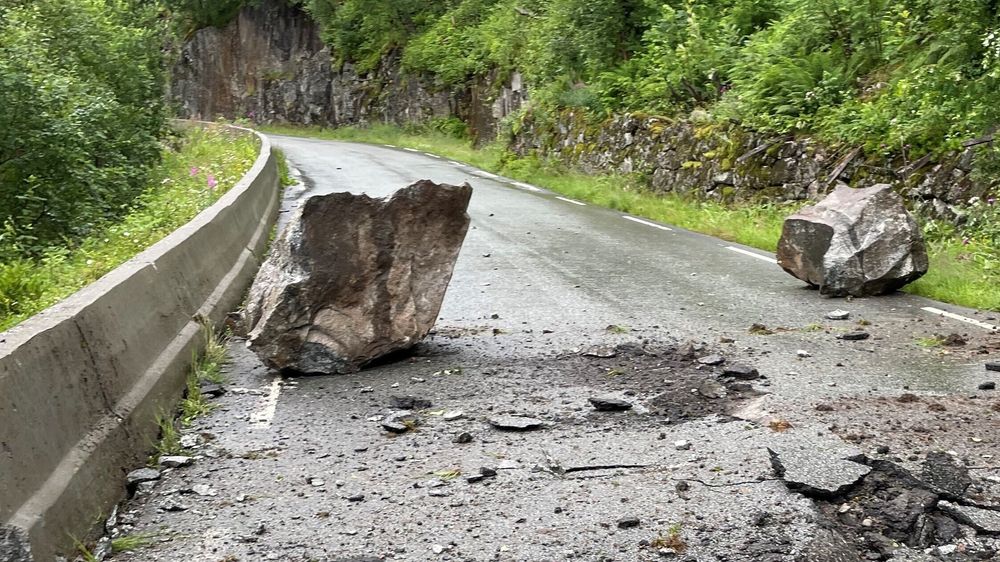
x,y
82,383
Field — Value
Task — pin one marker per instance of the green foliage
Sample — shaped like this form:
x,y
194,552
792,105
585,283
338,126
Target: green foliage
x,y
893,75
196,170
81,85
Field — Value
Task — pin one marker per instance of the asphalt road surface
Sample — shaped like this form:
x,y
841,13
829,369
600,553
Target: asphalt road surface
x,y
300,469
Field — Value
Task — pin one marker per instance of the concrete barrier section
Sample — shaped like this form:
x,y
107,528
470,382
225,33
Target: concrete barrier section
x,y
82,383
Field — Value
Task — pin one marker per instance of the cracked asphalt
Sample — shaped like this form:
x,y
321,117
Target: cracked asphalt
x,y
300,468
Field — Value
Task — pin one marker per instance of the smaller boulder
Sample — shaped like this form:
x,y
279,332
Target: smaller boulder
x,y
857,242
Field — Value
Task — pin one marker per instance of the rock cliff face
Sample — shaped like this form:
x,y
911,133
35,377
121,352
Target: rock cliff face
x,y
270,65
727,162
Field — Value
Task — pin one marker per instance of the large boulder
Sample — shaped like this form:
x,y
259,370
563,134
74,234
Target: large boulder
x,y
856,242
352,278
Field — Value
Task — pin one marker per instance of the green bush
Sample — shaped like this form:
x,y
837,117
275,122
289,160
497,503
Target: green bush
x,y
81,85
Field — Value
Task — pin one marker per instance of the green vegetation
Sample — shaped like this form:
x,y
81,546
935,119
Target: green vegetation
x,y
906,76
196,169
204,369
964,270
81,87
134,541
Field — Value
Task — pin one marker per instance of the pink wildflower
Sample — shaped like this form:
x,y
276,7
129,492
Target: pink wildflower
x,y
194,171
211,182
965,241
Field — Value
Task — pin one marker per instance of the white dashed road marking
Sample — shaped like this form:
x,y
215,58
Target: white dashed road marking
x,y
960,318
262,418
647,223
571,201
411,150
432,155
527,186
486,175
768,259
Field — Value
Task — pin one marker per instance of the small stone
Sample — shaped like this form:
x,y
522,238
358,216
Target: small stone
x,y
190,441
710,388
437,549
741,372
212,390
204,490
355,498
838,315
175,461
867,522
988,385
488,471
802,354
453,415
316,482
141,475
882,449
393,426
628,522
854,336
601,352
712,360
409,403
682,445
610,404
824,408
463,437
516,423
993,366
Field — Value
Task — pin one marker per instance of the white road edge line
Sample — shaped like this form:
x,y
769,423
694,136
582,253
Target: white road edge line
x,y
432,155
647,223
960,318
452,162
261,419
486,175
391,146
411,150
768,259
571,201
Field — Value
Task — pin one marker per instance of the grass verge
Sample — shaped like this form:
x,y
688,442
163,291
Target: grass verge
x,y
204,370
961,272
197,168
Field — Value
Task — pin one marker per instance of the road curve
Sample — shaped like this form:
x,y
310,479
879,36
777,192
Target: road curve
x,y
556,264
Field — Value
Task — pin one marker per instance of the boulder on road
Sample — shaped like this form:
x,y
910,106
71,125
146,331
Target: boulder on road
x,y
352,278
856,242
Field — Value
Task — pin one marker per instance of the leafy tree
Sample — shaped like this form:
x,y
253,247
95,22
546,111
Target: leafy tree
x,y
81,90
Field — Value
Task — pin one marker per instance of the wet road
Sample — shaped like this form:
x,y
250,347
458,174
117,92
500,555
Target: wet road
x,y
299,469
575,269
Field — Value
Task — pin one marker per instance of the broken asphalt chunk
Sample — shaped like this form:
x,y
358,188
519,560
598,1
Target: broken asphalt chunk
x,y
983,520
993,366
516,423
815,473
945,474
838,315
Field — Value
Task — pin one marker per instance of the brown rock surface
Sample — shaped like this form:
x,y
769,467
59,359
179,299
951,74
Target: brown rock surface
x,y
353,278
857,242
